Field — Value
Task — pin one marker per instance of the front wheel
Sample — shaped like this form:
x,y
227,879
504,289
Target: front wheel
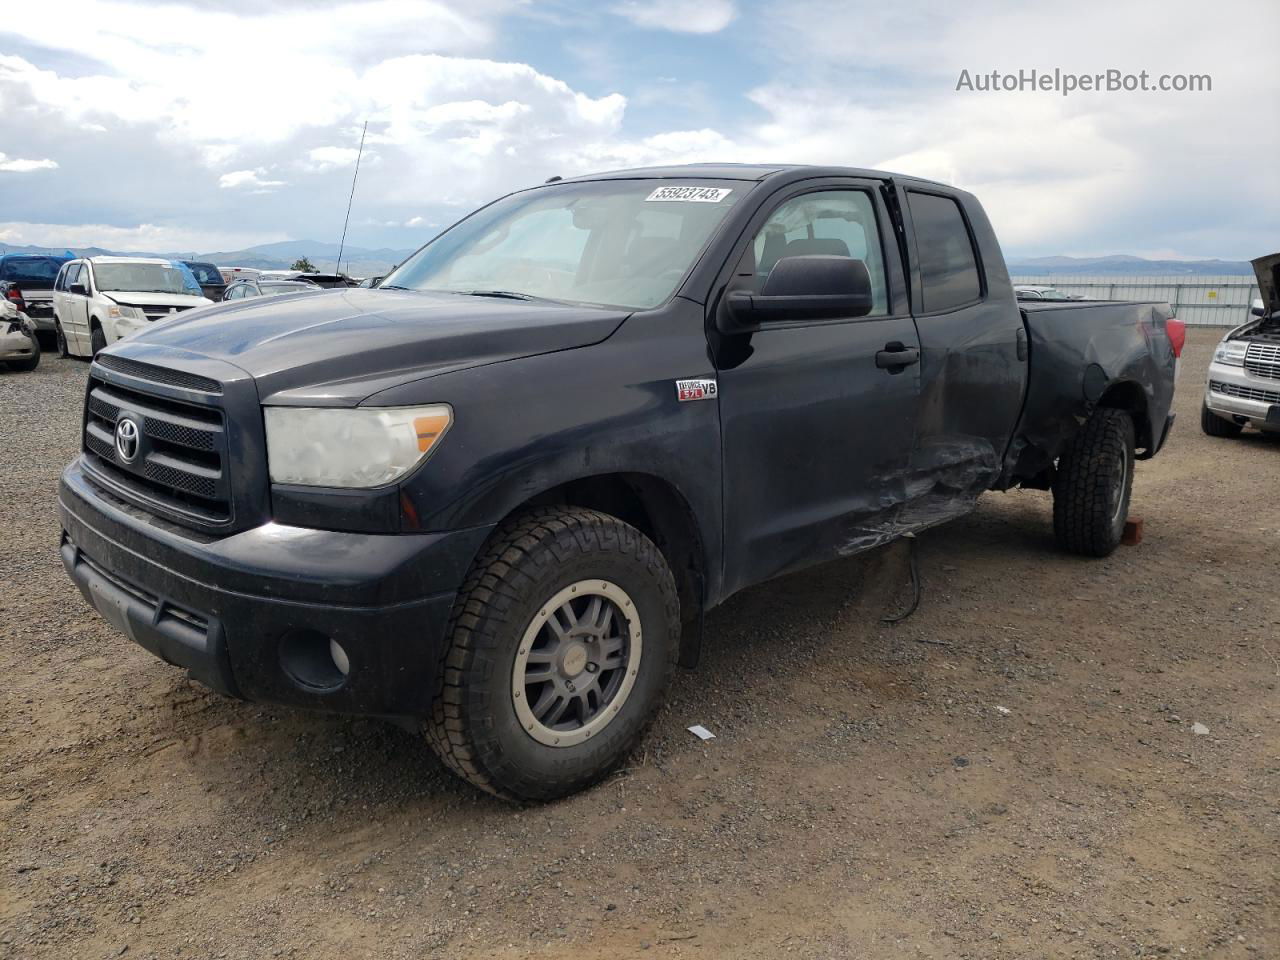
x,y
1216,426
560,647
61,339
1093,484
97,341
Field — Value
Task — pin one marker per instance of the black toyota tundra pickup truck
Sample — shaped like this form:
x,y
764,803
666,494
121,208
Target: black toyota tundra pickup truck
x,y
483,498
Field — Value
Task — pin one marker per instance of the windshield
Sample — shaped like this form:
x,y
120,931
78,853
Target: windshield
x,y
31,271
145,278
205,273
624,243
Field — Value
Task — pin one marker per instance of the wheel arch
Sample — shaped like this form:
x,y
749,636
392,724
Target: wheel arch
x,y
655,507
1129,396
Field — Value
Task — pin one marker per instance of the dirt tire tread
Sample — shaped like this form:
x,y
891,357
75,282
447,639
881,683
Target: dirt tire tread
x,y
1081,489
529,541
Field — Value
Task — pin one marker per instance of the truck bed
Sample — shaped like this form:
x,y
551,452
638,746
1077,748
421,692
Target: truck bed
x,y
1076,349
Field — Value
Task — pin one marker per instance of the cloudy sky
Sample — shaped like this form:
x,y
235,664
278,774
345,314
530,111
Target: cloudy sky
x,y
217,125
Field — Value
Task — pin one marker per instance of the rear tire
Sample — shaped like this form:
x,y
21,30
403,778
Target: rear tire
x,y
1216,426
1093,485
97,341
484,724
61,339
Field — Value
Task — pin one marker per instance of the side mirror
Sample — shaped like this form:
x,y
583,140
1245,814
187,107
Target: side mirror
x,y
1257,309
802,288
79,289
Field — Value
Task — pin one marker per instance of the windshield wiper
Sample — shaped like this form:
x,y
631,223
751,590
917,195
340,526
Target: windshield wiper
x,y
504,294
390,286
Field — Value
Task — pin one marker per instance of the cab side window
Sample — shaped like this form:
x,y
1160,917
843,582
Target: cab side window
x,y
948,263
73,275
839,223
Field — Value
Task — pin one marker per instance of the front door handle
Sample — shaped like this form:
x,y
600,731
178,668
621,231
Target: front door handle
x,y
896,356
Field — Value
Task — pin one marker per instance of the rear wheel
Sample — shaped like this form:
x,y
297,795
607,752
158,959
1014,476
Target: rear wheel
x,y
97,340
1216,426
560,647
1093,484
61,339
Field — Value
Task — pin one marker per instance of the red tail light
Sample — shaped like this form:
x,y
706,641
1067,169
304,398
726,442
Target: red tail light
x,y
15,295
1177,331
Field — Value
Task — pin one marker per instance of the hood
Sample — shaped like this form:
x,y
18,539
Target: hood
x,y
138,298
338,347
1267,270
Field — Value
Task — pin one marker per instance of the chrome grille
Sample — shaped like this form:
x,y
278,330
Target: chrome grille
x,y
182,461
1263,360
1246,393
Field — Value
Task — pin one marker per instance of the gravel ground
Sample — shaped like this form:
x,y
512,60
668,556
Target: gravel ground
x,y
1032,788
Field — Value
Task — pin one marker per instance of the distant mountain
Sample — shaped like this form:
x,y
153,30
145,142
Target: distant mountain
x,y
356,261
1123,265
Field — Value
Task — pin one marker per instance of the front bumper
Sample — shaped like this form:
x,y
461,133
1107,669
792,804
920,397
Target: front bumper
x,y
15,342
1233,392
249,614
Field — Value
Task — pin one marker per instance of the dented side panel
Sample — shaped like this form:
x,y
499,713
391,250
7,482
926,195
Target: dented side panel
x,y
1084,354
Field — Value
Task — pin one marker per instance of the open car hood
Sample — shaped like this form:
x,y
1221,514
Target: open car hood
x,y
1267,270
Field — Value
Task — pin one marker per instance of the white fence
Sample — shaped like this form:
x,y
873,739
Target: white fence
x,y
1198,301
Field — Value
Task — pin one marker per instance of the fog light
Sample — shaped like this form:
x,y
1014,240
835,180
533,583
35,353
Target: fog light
x,y
339,657
313,661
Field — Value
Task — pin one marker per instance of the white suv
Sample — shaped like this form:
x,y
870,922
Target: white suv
x,y
1244,375
99,300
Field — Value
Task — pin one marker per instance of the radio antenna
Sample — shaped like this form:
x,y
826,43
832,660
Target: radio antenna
x,y
343,243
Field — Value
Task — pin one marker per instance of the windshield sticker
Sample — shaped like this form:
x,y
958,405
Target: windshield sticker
x,y
690,194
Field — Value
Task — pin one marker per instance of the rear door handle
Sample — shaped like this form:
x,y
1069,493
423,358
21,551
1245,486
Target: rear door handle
x,y
896,356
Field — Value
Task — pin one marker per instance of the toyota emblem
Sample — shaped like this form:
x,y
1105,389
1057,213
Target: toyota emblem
x,y
127,439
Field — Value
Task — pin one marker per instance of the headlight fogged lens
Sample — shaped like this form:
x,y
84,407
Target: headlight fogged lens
x,y
362,447
1231,352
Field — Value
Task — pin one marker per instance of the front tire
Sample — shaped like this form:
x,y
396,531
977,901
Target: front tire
x,y
97,341
1093,485
1216,426
63,351
560,647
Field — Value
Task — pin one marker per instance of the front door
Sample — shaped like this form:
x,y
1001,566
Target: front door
x,y
817,433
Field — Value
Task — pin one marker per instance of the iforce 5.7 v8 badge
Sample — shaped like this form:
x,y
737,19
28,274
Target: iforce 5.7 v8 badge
x,y
695,390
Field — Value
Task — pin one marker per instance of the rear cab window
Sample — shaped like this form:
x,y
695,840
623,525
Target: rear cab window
x,y
948,262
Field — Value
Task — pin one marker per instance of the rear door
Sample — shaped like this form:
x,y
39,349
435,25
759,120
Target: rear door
x,y
973,352
817,437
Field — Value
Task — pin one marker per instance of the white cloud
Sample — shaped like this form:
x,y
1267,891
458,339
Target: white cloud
x,y
248,178
10,164
144,237
321,159
681,16
159,119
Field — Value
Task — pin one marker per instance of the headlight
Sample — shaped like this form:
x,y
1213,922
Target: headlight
x,y
361,447
126,313
1231,352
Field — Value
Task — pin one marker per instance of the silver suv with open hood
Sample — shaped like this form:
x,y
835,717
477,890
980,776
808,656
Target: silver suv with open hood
x,y
1244,375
